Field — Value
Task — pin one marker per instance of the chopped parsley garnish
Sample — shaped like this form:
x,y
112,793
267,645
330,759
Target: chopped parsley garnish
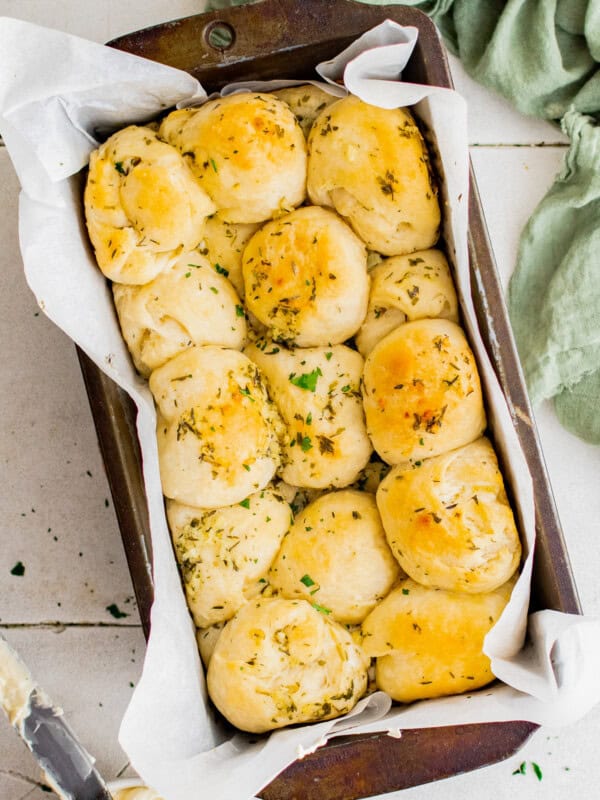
x,y
239,311
214,290
405,591
116,612
221,270
246,393
321,609
18,569
245,503
537,770
328,355
309,418
307,381
119,168
246,467
306,444
307,580
213,165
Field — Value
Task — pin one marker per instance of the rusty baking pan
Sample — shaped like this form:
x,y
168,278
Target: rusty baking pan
x,y
286,38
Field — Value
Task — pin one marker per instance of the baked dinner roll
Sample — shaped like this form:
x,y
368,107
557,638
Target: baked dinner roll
x,y
280,662
223,553
336,555
317,392
217,429
404,288
143,206
429,642
248,152
188,304
449,522
305,277
307,102
421,391
371,165
223,244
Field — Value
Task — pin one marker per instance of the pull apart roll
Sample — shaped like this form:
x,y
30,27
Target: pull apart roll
x,y
247,151
317,392
429,642
223,245
336,554
371,165
305,277
280,662
188,304
224,554
405,288
449,523
217,429
422,393
143,206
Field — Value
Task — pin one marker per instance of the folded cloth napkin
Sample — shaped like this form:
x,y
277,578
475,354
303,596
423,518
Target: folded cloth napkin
x,y
543,56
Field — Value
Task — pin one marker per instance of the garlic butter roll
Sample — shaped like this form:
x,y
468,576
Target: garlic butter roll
x,y
422,393
143,206
217,428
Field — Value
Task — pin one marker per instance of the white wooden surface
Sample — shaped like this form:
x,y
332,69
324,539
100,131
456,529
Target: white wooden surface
x,y
58,520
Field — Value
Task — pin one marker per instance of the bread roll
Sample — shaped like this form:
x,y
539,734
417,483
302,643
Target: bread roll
x,y
224,553
335,554
248,152
305,277
223,244
421,391
429,642
449,522
404,288
371,165
217,429
280,662
318,396
188,304
143,206
307,102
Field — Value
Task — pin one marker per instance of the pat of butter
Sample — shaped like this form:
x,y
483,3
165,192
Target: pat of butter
x,y
136,793
16,684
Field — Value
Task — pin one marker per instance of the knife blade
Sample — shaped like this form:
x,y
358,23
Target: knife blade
x,y
67,766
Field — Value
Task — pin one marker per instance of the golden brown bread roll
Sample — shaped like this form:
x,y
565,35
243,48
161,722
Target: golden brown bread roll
x,y
248,152
143,206
449,522
404,288
318,396
305,277
429,642
421,390
335,554
307,102
224,553
188,304
372,166
280,662
216,426
223,244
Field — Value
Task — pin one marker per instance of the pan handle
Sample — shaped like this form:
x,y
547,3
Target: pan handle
x,y
243,41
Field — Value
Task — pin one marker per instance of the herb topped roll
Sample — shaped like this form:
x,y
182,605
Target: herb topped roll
x,y
280,662
188,304
336,555
217,428
372,166
317,392
143,206
305,277
421,391
246,150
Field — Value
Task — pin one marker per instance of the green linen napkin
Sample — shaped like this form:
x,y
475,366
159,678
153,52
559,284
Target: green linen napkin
x,y
543,56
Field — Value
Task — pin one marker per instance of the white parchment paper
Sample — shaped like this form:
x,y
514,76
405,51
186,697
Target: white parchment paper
x,y
57,94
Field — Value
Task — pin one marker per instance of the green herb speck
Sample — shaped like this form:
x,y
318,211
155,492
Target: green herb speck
x,y
116,612
18,569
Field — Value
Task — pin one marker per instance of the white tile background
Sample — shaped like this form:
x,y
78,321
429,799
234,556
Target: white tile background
x,y
55,518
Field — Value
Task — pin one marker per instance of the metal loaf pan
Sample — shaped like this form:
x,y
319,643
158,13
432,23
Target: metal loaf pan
x,y
286,38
